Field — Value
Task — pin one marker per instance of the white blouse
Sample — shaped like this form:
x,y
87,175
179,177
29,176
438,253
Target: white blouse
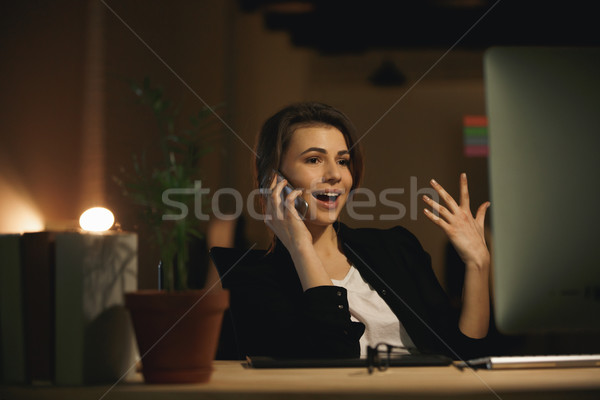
x,y
366,306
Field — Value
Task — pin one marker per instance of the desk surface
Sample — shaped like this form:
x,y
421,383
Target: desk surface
x,y
231,380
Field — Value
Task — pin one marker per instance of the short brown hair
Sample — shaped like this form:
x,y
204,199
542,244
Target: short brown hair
x,y
274,137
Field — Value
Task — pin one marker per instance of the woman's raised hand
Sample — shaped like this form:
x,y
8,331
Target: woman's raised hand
x,y
466,233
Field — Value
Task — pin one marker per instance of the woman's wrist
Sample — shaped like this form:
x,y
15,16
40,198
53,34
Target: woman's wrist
x,y
480,264
309,267
301,249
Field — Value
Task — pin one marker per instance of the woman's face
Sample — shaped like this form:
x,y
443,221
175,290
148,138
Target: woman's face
x,y
317,160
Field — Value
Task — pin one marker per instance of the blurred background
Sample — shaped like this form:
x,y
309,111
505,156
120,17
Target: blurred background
x,y
406,72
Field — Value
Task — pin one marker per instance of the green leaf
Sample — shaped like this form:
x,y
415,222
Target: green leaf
x,y
182,148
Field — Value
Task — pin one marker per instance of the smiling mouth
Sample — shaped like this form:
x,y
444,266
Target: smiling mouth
x,y
326,197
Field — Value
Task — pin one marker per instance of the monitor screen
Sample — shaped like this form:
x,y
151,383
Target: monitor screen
x,y
543,107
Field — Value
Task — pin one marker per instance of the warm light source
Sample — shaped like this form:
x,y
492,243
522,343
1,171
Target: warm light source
x,y
96,219
18,212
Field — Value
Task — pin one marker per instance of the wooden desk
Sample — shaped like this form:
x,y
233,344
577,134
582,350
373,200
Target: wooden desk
x,y
232,381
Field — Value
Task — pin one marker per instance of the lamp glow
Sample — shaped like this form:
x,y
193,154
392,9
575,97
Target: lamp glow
x,y
96,219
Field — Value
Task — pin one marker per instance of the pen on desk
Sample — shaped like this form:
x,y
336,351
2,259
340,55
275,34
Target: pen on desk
x,y
160,282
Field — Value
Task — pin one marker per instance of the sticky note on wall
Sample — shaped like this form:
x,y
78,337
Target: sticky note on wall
x,y
475,136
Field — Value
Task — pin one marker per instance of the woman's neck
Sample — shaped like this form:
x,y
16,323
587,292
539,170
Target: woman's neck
x,y
325,239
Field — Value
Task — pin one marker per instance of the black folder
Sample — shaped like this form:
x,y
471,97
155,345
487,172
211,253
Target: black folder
x,y
404,360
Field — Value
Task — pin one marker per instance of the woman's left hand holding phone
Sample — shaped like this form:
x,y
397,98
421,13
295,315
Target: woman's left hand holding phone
x,y
283,219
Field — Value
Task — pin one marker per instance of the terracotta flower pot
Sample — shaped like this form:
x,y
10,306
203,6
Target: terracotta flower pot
x,y
177,332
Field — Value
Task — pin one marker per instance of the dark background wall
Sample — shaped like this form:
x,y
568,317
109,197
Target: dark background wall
x,y
69,122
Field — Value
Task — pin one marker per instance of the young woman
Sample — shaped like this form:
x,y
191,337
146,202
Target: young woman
x,y
326,290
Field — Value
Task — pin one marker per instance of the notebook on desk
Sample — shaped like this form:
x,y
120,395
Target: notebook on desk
x,y
406,360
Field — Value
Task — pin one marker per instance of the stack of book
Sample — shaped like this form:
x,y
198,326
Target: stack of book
x,y
62,315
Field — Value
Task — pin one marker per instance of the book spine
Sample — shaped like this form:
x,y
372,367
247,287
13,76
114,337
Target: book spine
x,y
38,287
11,310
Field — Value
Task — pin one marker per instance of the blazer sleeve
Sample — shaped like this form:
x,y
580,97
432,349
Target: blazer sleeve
x,y
274,317
440,316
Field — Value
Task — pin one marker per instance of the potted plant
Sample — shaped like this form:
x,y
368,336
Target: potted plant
x,y
177,326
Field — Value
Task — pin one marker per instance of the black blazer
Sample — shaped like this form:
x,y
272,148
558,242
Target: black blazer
x,y
273,316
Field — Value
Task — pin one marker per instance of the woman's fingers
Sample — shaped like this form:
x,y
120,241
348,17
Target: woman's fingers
x,y
274,204
464,201
290,202
480,216
452,206
278,205
437,220
464,192
465,231
454,217
440,211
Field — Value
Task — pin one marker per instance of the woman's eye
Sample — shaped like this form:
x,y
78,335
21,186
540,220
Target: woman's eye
x,y
312,160
344,162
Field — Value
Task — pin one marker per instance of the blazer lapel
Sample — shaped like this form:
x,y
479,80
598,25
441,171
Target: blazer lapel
x,y
386,271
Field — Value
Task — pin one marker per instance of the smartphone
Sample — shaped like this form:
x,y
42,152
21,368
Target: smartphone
x,y
300,204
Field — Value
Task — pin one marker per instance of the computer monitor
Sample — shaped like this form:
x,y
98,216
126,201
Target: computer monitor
x,y
543,106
